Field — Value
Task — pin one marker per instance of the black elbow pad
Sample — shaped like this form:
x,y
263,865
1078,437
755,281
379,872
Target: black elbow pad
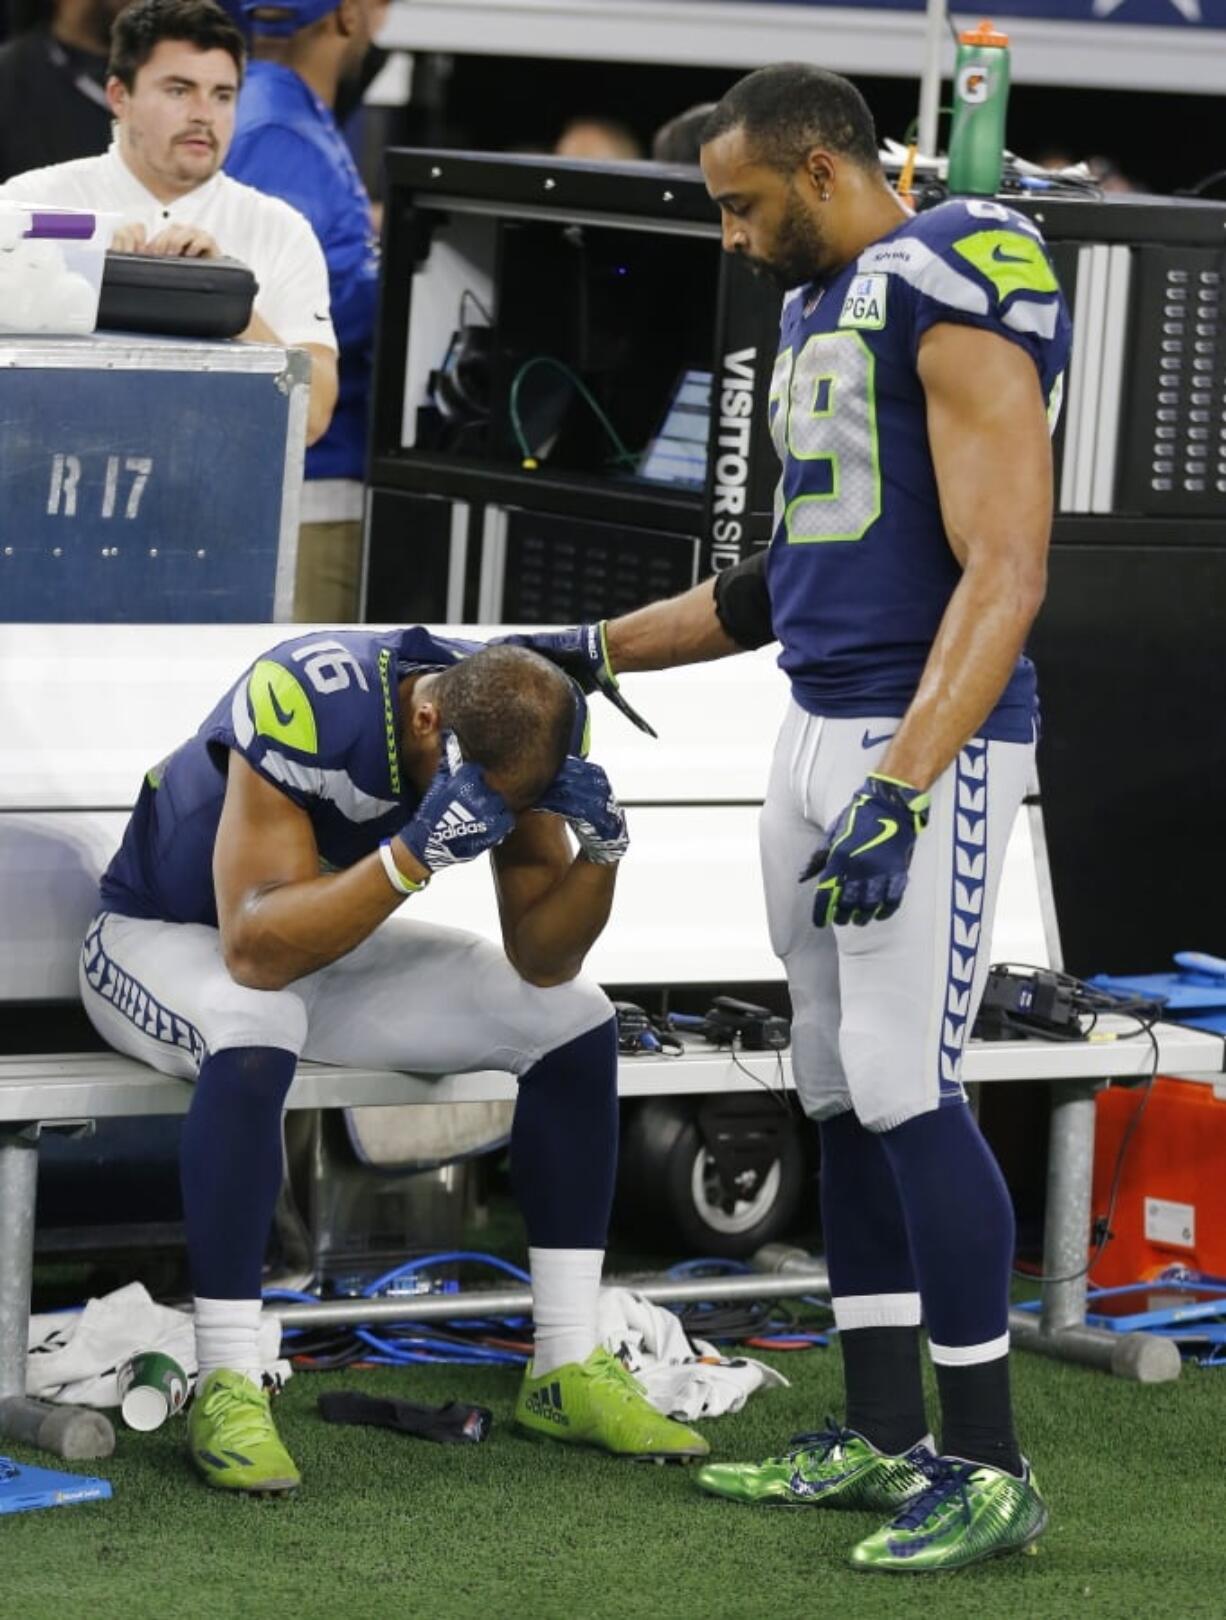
x,y
742,602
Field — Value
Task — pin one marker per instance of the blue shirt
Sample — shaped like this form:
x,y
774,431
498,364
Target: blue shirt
x,y
319,718
287,143
859,570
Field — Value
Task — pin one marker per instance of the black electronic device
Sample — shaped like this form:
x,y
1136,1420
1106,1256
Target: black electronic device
x,y
206,298
566,570
638,1032
1039,1000
460,388
1019,1001
757,1029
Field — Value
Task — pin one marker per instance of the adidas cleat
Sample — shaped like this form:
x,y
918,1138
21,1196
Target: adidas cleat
x,y
598,1403
833,1468
233,1441
968,1512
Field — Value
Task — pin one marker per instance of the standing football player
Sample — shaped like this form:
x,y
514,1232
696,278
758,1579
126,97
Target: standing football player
x,y
919,367
245,922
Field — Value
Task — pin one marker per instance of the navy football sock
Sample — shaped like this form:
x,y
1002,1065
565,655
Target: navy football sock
x,y
960,1223
564,1142
977,1414
885,1386
873,1286
230,1167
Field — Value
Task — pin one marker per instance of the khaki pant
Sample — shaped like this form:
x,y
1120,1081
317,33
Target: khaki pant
x,y
328,579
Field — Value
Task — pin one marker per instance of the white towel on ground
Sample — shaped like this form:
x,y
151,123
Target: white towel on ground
x,y
683,1378
74,1355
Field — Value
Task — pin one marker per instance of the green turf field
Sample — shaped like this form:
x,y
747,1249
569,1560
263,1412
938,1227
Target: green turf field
x,y
387,1526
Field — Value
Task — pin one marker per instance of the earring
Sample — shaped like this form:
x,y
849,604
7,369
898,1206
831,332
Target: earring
x,y
824,195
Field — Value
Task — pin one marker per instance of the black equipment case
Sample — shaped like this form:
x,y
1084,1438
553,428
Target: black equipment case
x,y
204,298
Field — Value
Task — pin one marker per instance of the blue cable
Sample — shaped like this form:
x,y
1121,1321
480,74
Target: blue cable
x,y
712,1268
295,1297
421,1349
449,1257
401,1352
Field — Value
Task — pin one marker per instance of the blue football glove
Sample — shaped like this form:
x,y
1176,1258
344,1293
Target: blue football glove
x,y
460,815
583,653
580,793
866,855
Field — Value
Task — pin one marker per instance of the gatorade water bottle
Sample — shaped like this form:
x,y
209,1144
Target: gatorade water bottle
x,y
981,94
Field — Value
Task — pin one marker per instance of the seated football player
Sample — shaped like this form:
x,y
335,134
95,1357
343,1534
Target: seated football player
x,y
248,920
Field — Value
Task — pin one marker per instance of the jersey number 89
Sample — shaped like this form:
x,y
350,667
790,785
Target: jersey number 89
x,y
823,406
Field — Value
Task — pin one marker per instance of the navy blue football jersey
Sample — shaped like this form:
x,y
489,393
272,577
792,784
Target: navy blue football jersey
x,y
860,571
319,718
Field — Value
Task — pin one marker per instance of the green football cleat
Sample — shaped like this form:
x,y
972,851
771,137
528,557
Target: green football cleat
x,y
598,1403
969,1512
833,1468
232,1439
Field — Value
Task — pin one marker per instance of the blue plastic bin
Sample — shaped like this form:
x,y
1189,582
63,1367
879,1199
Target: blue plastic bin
x,y
1195,995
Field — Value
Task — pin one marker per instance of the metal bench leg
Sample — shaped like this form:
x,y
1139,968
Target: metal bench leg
x,y
1061,1330
69,1431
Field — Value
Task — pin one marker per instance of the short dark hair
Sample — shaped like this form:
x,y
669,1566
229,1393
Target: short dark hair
x,y
679,140
141,27
791,107
511,710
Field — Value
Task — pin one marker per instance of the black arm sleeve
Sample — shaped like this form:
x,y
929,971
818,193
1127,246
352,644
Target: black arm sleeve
x,y
742,601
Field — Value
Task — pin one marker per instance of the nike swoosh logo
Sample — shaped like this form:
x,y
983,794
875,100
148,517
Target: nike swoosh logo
x,y
321,317
908,1549
282,717
869,741
999,256
888,828
800,1486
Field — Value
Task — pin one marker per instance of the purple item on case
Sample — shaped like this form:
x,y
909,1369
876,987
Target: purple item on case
x,y
64,227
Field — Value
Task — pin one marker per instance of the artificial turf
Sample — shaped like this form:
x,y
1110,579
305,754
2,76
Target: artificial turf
x,y
515,1529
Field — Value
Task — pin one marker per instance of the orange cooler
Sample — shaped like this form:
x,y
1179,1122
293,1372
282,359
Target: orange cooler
x,y
1171,1209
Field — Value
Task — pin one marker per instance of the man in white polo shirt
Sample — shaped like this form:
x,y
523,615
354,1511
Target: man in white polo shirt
x,y
172,85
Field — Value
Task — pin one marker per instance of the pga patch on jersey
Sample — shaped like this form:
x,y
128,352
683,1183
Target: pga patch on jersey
x,y
864,305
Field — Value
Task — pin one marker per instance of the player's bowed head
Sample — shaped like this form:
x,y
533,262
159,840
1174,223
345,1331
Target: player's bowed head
x,y
790,156
510,711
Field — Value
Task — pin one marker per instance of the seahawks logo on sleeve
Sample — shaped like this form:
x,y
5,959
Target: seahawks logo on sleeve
x,y
976,257
1017,267
280,707
314,716
982,264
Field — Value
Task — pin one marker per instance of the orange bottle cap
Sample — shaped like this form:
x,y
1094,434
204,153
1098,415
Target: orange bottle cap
x,y
985,34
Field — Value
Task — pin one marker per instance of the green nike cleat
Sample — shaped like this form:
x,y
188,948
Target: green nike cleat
x,y
232,1439
598,1403
968,1512
833,1468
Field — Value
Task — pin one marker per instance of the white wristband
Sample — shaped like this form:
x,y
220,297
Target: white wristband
x,y
395,876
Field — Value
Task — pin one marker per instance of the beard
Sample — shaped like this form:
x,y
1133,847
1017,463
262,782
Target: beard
x,y
799,250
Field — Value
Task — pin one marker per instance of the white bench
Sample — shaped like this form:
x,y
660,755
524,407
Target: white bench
x,y
87,709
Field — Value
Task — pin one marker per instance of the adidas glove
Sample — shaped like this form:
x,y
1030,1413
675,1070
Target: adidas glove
x,y
865,858
581,795
583,653
459,817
